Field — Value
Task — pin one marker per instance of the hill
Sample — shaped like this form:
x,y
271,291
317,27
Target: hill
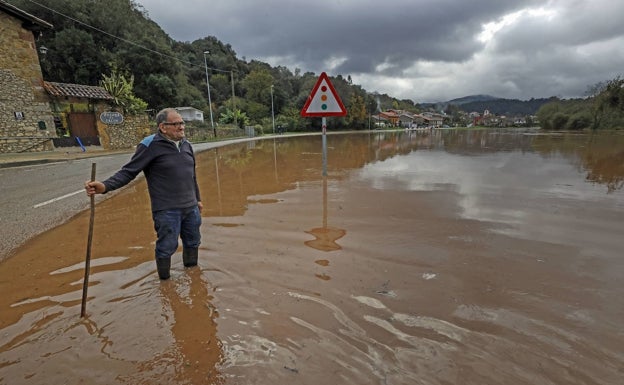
x,y
498,106
472,99
506,106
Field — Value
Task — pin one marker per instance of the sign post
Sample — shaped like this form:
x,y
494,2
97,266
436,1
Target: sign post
x,y
322,102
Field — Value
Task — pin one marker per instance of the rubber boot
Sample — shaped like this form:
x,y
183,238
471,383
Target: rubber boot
x,y
189,257
163,265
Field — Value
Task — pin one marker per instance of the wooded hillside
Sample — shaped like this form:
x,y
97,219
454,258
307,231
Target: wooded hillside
x,y
117,39
96,38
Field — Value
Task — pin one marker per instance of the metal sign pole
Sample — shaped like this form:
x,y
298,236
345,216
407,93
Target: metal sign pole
x,y
324,123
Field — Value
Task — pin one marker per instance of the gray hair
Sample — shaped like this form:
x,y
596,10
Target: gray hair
x,y
163,114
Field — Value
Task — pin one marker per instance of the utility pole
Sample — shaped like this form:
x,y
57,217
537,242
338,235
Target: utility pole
x,y
272,110
214,130
233,104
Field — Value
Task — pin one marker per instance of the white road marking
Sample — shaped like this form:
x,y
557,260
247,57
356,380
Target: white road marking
x,y
59,198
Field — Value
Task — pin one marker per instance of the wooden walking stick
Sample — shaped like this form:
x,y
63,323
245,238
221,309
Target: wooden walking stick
x,y
85,282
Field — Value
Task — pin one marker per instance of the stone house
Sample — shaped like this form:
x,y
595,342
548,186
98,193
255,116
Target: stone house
x,y
26,121
75,108
36,115
84,112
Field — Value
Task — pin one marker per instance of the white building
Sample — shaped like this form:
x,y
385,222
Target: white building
x,y
190,114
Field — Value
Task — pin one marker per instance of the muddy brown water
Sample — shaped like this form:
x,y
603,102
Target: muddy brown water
x,y
444,257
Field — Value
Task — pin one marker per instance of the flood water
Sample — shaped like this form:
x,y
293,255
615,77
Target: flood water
x,y
443,257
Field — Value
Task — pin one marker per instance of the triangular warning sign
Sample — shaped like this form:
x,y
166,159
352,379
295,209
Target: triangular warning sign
x,y
323,101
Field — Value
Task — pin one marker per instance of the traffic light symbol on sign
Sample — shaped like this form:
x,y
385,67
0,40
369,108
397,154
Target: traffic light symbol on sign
x,y
323,101
324,98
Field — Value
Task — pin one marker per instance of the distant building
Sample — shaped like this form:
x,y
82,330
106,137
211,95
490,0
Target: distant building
x,y
406,119
433,119
190,114
379,120
392,118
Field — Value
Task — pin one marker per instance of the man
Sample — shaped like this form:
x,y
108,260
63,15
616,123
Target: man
x,y
168,162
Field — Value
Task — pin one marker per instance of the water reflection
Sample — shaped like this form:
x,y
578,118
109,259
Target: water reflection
x,y
189,304
129,336
325,236
472,256
600,154
428,166
503,182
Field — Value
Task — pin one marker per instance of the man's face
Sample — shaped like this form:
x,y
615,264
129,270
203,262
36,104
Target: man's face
x,y
173,127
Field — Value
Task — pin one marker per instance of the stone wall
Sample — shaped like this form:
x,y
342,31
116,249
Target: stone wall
x,y
135,128
203,133
26,122
125,135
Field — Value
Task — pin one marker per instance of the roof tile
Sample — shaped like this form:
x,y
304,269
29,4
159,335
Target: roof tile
x,y
76,90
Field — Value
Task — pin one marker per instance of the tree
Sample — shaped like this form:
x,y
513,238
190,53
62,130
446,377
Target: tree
x,y
291,118
615,94
546,113
608,106
356,117
257,86
73,57
231,116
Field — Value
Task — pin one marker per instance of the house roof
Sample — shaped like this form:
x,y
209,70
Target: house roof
x,y
379,118
76,90
389,114
31,22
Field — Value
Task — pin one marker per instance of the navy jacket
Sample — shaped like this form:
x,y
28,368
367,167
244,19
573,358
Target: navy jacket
x,y
169,171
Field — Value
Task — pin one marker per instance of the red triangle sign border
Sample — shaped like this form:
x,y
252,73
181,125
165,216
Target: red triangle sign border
x,y
305,110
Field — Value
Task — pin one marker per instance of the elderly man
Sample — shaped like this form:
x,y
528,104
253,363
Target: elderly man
x,y
168,162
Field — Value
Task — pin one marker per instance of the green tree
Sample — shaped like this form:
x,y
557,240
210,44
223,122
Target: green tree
x,y
559,121
546,112
608,106
231,116
73,57
580,120
357,117
257,86
292,120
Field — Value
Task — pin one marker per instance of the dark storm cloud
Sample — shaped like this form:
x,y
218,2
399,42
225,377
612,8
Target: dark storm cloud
x,y
365,33
418,49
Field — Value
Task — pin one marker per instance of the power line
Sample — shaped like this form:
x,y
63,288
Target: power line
x,y
107,33
121,38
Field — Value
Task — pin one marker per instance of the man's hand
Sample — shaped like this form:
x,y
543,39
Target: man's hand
x,y
95,187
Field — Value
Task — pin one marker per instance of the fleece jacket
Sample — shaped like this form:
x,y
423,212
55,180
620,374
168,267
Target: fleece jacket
x,y
169,171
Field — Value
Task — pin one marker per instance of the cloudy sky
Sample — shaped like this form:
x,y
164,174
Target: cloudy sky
x,y
424,50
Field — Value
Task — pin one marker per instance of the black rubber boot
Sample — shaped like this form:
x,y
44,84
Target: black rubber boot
x,y
189,257
163,265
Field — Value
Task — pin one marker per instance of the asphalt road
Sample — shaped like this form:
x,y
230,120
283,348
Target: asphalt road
x,y
39,197
36,198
